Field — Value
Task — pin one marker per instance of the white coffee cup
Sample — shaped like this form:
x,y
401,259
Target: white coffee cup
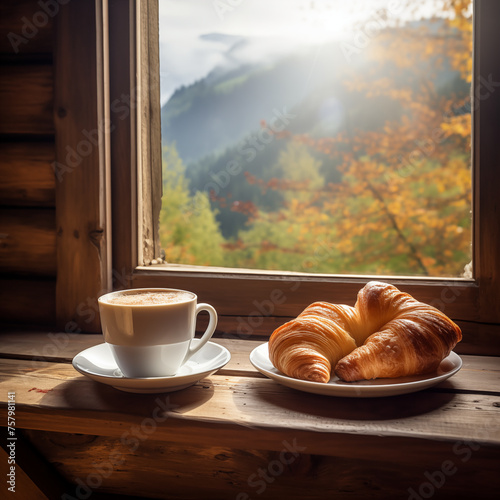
x,y
150,330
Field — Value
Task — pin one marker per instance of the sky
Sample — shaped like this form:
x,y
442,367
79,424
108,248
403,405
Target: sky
x,y
273,27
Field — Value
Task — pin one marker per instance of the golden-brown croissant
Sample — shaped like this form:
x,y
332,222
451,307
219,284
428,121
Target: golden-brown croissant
x,y
396,335
409,337
309,347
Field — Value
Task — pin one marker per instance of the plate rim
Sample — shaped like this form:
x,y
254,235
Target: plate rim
x,y
353,389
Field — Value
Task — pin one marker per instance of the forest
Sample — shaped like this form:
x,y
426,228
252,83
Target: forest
x,y
363,167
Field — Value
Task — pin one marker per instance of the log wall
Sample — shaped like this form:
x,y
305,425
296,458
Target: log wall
x,y
27,150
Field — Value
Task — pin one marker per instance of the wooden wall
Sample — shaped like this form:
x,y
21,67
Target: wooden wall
x,y
27,150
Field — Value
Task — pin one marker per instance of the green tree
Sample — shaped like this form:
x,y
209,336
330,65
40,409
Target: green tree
x,y
189,231
276,239
297,165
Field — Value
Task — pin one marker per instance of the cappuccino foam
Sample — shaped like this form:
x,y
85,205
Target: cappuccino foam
x,y
148,298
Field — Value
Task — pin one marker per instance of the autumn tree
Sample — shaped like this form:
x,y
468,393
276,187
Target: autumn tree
x,y
403,203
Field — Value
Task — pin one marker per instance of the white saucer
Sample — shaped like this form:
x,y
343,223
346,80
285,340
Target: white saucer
x,y
259,358
98,363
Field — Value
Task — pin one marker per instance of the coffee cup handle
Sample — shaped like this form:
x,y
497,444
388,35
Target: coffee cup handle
x,y
208,332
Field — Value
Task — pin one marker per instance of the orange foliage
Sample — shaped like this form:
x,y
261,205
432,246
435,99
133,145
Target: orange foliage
x,y
405,191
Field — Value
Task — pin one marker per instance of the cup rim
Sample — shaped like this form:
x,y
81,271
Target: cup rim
x,y
129,291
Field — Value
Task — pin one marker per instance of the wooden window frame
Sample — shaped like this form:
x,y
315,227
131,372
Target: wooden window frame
x,y
252,302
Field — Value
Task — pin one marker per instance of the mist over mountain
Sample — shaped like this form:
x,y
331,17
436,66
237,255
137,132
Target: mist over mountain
x,y
220,109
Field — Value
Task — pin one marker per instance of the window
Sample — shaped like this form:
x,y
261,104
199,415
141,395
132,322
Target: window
x,y
252,301
326,137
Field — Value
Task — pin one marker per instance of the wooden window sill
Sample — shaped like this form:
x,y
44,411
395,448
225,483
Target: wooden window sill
x,y
239,409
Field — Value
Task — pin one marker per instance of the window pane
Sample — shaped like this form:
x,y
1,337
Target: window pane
x,y
323,137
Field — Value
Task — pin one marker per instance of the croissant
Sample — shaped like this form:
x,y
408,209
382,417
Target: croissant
x,y
309,346
386,334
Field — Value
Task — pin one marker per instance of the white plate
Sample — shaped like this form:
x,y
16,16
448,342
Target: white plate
x,y
98,363
259,358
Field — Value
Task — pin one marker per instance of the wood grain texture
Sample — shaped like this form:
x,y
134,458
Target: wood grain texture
x,y
149,134
347,432
28,241
26,27
26,99
36,478
53,396
159,469
81,196
28,301
479,338
287,295
24,487
235,429
478,374
486,156
27,175
123,96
